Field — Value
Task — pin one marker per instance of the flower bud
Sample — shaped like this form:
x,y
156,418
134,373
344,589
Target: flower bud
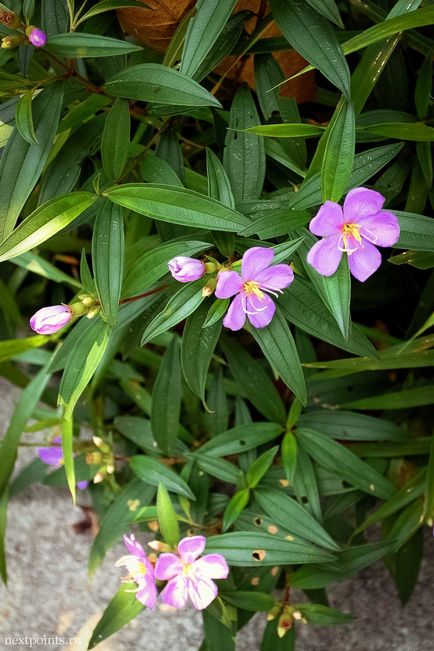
x,y
49,320
10,42
9,19
186,269
36,36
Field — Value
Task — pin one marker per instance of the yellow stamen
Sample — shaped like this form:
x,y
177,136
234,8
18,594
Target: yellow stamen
x,y
250,287
350,231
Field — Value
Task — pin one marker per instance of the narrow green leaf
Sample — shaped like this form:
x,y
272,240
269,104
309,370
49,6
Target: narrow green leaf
x,y
152,472
108,258
341,461
166,399
235,507
349,426
24,119
339,153
44,222
314,39
122,609
167,517
260,467
82,45
110,5
68,455
287,130
278,346
241,438
116,139
249,600
216,312
154,82
219,187
288,453
244,154
177,206
198,344
22,163
203,31
417,231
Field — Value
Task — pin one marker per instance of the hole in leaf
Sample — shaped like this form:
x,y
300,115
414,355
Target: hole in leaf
x,y
257,521
259,554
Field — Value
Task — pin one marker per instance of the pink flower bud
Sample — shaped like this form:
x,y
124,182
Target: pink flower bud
x,y
186,269
36,36
49,320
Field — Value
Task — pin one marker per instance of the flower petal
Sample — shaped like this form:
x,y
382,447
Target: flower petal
x,y
134,547
254,261
328,219
360,203
167,566
52,456
147,591
364,262
229,283
325,255
235,316
191,548
276,277
201,592
381,229
212,566
175,593
260,311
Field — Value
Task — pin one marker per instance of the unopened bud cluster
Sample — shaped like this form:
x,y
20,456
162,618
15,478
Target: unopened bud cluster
x,y
11,20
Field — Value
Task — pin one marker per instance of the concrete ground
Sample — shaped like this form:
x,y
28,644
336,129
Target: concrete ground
x,y
49,592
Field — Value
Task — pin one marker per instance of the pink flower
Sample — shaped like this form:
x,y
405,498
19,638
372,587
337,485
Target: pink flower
x,y
257,277
190,577
49,320
186,269
36,36
353,229
140,571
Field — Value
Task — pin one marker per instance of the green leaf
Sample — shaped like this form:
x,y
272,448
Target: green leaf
x,y
254,381
198,344
278,346
415,131
44,222
406,566
288,454
245,549
24,119
287,130
81,45
203,31
180,306
323,615
343,463
328,9
122,609
303,307
216,311
82,364
108,258
219,468
314,39
152,265
166,399
219,633
68,455
177,206
244,154
23,411
152,472
241,438
109,5
288,513
335,290
167,517
349,426
417,231
22,163
260,467
416,397
116,139
14,347
154,82
235,507
117,519
219,187
249,600
339,153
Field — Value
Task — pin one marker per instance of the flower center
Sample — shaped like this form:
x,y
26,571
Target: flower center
x,y
188,569
251,287
350,239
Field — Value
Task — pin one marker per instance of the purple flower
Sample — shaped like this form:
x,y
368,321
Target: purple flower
x,y
52,455
186,269
190,577
353,229
140,570
257,277
82,485
49,320
36,36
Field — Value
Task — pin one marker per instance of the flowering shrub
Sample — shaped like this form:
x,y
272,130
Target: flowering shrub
x,y
244,423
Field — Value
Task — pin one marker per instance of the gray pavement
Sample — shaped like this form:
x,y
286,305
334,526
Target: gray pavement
x,y
50,594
